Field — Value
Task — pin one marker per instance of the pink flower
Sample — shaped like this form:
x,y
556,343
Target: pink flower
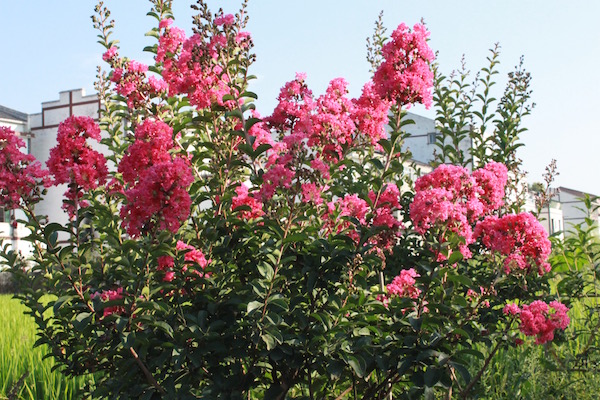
x,y
110,54
278,176
159,200
169,43
389,197
540,319
405,76
295,105
111,295
192,66
511,309
74,162
319,165
355,207
132,83
153,141
450,199
371,114
311,192
20,173
192,255
491,181
331,125
243,198
226,20
520,237
165,23
402,285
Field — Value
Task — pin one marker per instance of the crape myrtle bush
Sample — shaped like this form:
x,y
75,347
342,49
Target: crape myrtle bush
x,y
215,253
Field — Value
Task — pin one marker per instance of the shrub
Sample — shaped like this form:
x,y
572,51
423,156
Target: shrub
x,y
225,255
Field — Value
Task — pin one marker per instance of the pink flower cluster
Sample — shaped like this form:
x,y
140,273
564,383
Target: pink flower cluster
x,y
371,113
402,285
450,199
383,216
380,214
405,76
332,125
157,182
195,66
243,198
192,256
315,133
131,81
74,162
20,173
519,237
109,295
332,122
540,319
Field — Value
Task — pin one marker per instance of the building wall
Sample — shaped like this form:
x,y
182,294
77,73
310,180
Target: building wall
x,y
421,142
574,211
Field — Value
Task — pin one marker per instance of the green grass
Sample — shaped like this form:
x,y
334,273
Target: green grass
x,y
17,357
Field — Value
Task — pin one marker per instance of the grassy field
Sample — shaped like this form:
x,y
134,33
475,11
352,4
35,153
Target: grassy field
x,y
18,357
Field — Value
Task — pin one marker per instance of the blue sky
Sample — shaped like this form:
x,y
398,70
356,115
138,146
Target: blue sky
x,y
50,46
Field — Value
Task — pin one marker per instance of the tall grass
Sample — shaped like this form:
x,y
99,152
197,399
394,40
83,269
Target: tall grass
x,y
18,357
567,368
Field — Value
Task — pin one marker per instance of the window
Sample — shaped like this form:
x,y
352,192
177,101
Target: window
x,y
431,137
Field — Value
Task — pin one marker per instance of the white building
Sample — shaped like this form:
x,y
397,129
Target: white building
x,y
421,141
574,210
565,210
550,216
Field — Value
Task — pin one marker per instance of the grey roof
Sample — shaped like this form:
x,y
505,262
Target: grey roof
x,y
9,113
574,192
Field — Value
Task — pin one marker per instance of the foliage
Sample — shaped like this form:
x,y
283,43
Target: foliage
x,y
217,254
26,373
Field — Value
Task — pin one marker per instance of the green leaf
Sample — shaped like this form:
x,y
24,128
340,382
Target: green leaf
x,y
455,257
82,320
279,302
269,340
432,376
265,270
471,352
163,326
253,305
335,368
462,279
296,237
357,363
462,370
